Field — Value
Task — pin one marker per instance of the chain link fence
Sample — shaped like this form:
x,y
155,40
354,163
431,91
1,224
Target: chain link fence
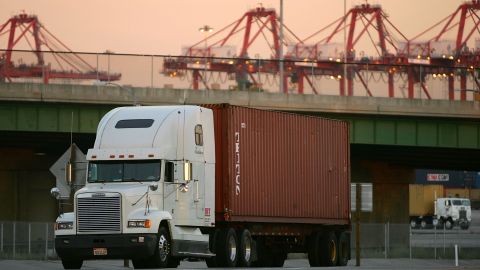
x,y
21,240
401,241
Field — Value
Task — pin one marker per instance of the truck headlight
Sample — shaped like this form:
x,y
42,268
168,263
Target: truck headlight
x,y
142,223
64,225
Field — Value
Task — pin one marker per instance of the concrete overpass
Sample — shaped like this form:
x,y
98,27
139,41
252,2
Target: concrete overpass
x,y
390,137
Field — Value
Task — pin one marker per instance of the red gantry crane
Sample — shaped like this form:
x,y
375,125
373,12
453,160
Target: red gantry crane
x,y
450,58
327,55
212,54
68,65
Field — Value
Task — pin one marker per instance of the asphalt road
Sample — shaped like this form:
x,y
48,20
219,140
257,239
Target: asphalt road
x,y
289,264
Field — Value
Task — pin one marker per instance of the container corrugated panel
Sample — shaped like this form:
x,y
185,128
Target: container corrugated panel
x,y
280,167
447,178
477,180
421,198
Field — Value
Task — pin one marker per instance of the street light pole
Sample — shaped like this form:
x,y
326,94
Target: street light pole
x,y
205,29
129,89
280,49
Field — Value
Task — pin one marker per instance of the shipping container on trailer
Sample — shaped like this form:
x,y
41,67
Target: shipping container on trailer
x,y
421,198
457,193
281,167
477,180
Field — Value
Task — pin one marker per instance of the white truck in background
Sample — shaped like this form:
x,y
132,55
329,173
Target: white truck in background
x,y
427,208
452,212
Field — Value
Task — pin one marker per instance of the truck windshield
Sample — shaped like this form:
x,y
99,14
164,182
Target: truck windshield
x,y
123,171
461,202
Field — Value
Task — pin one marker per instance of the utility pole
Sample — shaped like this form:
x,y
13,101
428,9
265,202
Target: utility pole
x,y
280,49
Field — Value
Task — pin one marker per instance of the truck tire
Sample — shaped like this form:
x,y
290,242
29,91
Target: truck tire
x,y
437,223
448,224
72,264
212,262
313,249
245,248
226,248
413,223
162,258
464,225
328,249
343,249
264,254
423,223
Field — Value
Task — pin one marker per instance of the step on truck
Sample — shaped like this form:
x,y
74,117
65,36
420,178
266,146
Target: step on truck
x,y
233,186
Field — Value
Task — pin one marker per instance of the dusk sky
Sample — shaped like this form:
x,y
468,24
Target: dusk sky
x,y
163,27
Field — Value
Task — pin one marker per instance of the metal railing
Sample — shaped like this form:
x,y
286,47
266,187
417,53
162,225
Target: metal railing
x,y
303,77
401,241
23,240
35,240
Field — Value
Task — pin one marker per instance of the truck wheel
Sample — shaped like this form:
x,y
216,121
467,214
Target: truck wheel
x,y
343,249
413,223
264,255
212,262
439,223
72,264
313,249
245,248
328,249
423,223
464,225
162,258
448,224
227,248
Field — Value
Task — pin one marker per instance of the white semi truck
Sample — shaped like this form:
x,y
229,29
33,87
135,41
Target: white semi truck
x,y
426,209
166,183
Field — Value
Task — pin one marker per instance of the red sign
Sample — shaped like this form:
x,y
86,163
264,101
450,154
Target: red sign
x,y
438,177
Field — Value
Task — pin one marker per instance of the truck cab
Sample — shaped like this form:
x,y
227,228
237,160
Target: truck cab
x,y
453,211
149,191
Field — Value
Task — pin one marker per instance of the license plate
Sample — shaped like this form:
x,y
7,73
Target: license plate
x,y
99,251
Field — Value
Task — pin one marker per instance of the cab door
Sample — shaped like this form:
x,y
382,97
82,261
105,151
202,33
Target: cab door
x,y
190,202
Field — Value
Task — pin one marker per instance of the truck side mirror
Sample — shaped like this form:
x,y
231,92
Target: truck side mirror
x,y
153,186
55,192
187,171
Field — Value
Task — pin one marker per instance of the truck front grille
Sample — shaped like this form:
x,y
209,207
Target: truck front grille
x,y
99,213
463,214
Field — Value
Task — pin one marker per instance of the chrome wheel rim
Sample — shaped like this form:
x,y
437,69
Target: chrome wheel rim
x,y
333,251
413,224
163,248
248,248
232,246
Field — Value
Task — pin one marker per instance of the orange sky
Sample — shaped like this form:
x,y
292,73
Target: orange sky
x,y
163,27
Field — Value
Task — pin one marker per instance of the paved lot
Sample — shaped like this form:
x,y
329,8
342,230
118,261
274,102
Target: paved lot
x,y
291,264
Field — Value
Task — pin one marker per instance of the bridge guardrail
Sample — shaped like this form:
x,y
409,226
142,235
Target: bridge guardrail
x,y
366,77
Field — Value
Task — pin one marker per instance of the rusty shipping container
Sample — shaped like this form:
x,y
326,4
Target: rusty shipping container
x,y
280,167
